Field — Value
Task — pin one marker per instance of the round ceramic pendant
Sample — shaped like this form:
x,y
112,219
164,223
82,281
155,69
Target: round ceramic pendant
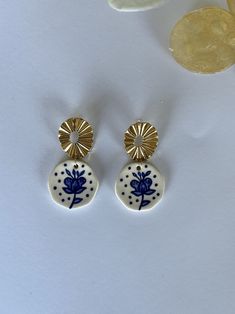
x,y
134,5
73,184
140,186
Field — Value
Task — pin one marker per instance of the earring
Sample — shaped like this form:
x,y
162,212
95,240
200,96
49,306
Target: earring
x,y
140,185
73,183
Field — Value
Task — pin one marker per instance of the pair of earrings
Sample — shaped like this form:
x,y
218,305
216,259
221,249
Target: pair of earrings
x,y
73,183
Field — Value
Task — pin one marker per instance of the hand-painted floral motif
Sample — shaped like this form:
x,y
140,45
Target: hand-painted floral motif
x,y
142,186
74,184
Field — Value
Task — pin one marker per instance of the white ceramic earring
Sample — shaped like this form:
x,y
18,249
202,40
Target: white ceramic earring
x,y
73,183
140,185
134,5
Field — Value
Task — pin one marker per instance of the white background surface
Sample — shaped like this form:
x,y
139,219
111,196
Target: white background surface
x,y
61,58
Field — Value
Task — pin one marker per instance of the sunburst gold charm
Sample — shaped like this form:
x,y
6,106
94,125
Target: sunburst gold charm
x,y
140,185
73,183
141,140
84,141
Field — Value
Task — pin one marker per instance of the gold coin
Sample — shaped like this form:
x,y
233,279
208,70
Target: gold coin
x,y
231,5
203,41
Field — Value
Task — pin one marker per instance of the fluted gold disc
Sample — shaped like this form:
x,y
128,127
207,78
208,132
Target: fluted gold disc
x,y
148,136
84,143
203,40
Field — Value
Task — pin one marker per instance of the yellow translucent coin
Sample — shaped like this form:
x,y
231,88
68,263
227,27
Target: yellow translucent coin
x,y
231,5
203,41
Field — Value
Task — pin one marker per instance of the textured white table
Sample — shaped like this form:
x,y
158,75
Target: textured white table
x,y
61,58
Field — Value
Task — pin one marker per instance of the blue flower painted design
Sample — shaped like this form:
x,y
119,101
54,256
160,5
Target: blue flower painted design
x,y
74,184
142,186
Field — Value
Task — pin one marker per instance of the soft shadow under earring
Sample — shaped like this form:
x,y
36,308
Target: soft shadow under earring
x,y
73,183
140,185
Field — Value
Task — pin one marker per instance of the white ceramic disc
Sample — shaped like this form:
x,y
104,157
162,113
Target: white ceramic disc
x,y
140,186
134,5
73,184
